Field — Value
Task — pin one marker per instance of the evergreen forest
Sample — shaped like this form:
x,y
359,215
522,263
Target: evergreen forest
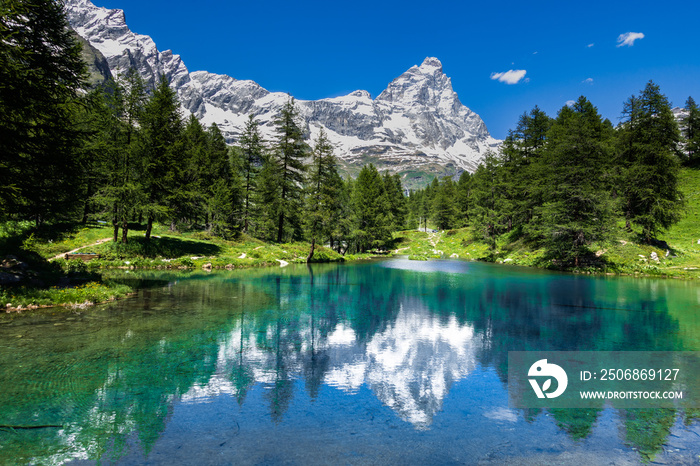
x,y
124,154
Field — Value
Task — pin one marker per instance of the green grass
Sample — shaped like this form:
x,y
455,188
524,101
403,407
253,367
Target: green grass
x,y
31,297
168,249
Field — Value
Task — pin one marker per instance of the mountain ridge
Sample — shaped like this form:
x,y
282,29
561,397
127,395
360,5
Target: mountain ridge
x,y
417,126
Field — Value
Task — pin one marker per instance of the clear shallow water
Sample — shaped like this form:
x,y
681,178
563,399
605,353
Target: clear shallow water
x,y
388,362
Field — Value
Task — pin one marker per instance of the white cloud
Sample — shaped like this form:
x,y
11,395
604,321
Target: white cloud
x,y
510,76
590,45
628,38
569,103
587,81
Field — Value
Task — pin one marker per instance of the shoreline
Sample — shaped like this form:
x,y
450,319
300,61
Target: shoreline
x,y
178,269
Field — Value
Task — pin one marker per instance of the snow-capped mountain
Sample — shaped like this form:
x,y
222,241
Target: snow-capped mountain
x,y
416,126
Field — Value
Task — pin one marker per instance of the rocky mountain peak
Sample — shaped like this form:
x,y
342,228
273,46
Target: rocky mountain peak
x,y
431,65
361,94
423,86
416,126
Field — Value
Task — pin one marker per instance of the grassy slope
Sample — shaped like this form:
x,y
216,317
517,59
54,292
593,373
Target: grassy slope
x,y
172,250
626,254
75,282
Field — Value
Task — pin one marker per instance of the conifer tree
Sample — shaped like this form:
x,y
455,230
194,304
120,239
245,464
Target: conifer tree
x,y
578,210
463,198
485,210
288,161
267,200
251,163
224,191
160,153
444,205
522,183
194,178
113,114
396,199
373,220
341,232
691,133
323,192
41,72
649,139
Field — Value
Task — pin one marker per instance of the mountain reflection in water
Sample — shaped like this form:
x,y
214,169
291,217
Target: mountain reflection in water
x,y
399,352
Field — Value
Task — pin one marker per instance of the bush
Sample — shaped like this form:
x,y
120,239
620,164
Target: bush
x,y
184,262
75,266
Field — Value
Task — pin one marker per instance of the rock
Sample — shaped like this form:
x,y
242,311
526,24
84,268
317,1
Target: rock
x,y
454,256
207,266
667,253
508,260
242,256
229,266
9,278
654,256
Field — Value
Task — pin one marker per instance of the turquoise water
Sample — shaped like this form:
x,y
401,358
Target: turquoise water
x,y
382,362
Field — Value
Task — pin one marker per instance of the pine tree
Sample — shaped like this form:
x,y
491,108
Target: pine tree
x,y
160,151
485,210
41,72
464,198
444,205
691,133
323,189
649,140
577,208
251,163
521,181
341,232
224,191
397,201
113,113
194,178
373,220
288,159
267,200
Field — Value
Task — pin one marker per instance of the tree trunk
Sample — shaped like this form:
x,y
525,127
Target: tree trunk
x,y
125,231
115,223
280,228
86,206
149,227
311,253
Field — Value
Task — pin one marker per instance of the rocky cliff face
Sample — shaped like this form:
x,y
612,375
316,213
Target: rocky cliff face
x,y
417,126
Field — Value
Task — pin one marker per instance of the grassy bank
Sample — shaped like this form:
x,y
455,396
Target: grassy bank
x,y
34,272
171,250
676,253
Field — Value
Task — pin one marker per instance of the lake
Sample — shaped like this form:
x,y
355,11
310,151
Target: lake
x,y
379,362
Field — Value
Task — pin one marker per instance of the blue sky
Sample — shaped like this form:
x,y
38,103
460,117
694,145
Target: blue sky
x,y
323,49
